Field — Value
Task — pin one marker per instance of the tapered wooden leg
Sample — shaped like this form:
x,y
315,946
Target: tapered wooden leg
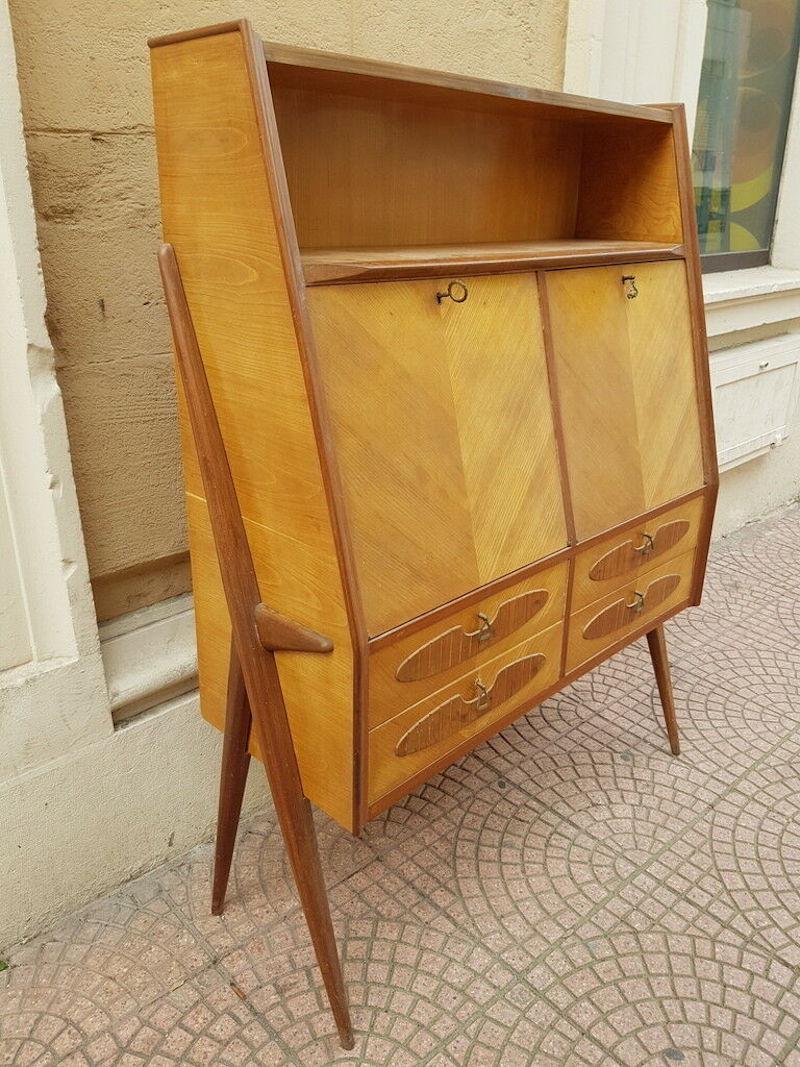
x,y
254,659
233,778
300,837
658,653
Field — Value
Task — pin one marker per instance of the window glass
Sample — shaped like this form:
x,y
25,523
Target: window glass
x,y
746,85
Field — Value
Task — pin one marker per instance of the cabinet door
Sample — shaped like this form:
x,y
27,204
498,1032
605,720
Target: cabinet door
x,y
442,425
626,384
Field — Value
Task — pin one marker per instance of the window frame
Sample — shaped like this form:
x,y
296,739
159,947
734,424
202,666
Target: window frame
x,y
714,262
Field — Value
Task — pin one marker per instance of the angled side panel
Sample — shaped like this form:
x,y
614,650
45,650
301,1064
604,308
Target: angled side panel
x,y
217,212
702,369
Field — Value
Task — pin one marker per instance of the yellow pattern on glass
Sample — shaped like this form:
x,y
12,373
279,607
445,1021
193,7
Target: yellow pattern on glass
x,y
746,87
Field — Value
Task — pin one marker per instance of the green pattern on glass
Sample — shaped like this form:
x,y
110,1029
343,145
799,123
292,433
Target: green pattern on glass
x,y
749,65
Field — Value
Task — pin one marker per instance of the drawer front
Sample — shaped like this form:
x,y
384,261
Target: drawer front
x,y
617,560
429,659
422,734
607,621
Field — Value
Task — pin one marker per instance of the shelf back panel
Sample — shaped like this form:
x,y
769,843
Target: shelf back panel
x,y
629,185
376,171
375,164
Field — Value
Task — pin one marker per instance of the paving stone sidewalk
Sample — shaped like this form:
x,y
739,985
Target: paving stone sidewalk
x,y
568,894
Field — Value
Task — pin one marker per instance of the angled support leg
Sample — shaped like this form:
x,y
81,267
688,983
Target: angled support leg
x,y
233,779
255,637
658,653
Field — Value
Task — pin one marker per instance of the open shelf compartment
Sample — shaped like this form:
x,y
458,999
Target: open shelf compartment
x,y
387,176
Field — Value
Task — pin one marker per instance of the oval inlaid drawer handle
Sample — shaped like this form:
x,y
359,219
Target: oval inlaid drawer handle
x,y
457,645
456,713
628,556
620,613
455,291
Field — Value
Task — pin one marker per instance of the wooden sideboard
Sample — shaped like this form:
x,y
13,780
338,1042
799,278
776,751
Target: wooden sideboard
x,y
453,331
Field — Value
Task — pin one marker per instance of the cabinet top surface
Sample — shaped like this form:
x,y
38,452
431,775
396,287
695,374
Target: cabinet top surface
x,y
306,65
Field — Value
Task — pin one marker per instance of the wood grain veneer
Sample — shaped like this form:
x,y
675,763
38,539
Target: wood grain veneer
x,y
442,420
458,644
514,711
401,462
615,560
322,266
529,193
628,557
629,186
606,621
621,613
388,696
458,711
625,372
388,769
218,213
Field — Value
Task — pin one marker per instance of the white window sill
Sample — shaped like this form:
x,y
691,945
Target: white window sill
x,y
149,656
741,299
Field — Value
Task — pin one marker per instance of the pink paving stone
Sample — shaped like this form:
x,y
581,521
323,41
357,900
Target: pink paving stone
x,y
567,894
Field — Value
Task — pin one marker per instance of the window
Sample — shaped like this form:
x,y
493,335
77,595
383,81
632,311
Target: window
x,y
746,85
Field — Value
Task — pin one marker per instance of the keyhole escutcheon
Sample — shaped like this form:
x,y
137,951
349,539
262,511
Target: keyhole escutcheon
x,y
629,286
455,291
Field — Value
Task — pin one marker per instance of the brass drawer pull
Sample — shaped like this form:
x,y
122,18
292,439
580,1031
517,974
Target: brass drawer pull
x,y
456,291
647,545
629,285
638,603
457,644
456,713
484,698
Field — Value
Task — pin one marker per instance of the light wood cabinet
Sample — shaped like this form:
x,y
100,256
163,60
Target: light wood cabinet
x,y
453,332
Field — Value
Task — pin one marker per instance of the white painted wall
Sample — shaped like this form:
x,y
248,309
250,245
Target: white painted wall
x,y
83,806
